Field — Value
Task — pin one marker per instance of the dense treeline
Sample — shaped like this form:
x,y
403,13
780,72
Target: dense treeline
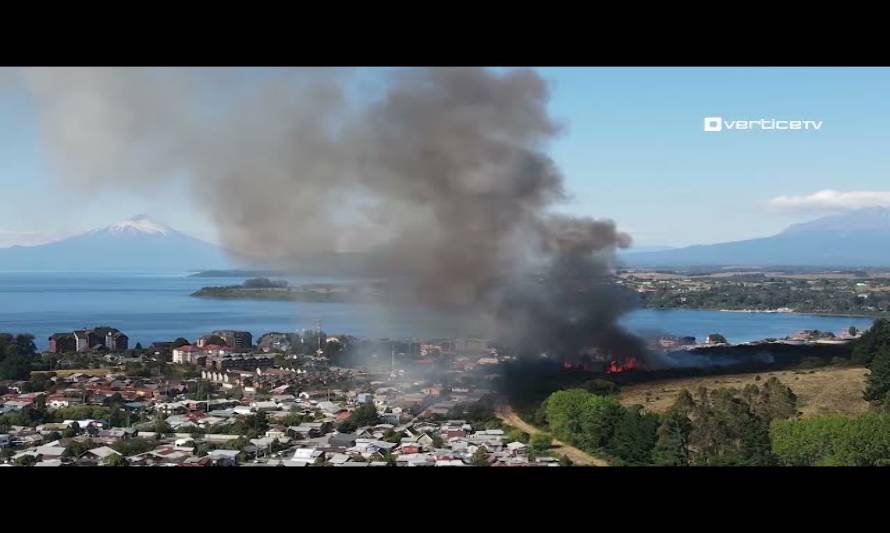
x,y
754,426
833,440
873,350
720,427
808,296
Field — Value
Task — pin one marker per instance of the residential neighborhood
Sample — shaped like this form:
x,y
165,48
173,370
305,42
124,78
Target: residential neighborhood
x,y
222,402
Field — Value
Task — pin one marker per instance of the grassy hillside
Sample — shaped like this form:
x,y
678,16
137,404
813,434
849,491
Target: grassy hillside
x,y
830,390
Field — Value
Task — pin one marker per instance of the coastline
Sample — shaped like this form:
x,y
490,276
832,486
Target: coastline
x,y
771,312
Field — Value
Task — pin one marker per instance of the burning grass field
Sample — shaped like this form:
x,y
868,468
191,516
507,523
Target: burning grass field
x,y
828,390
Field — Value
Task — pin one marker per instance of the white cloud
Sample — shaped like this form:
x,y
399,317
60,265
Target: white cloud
x,y
830,200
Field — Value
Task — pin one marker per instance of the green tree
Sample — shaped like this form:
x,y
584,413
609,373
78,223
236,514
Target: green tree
x,y
635,436
540,442
365,415
27,460
878,384
876,339
516,435
672,444
583,419
601,387
774,401
480,457
116,460
15,366
180,342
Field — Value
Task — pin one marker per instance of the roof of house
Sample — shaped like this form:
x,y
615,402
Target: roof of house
x,y
103,452
223,454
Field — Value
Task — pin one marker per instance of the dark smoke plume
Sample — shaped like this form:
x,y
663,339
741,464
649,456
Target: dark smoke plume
x,y
441,173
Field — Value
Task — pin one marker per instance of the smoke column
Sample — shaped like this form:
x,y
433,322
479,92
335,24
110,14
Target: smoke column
x,y
442,173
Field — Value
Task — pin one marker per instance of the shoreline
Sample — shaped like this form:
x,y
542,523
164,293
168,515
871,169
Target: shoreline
x,y
770,312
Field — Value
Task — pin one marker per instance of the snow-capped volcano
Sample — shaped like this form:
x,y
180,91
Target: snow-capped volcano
x,y
135,244
138,224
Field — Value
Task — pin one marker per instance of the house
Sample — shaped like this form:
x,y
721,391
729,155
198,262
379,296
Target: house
x,y
330,407
243,410
100,454
414,459
51,452
277,433
338,459
284,462
4,440
162,455
224,457
310,429
265,443
264,406
411,448
308,455
364,398
390,418
84,424
342,440
117,433
517,448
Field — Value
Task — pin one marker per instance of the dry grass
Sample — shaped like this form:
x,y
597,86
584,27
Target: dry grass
x,y
819,391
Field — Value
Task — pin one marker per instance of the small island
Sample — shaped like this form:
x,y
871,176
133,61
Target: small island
x,y
236,274
267,289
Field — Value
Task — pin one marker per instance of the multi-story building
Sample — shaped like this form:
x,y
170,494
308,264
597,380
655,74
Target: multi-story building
x,y
62,342
238,340
116,341
186,355
87,339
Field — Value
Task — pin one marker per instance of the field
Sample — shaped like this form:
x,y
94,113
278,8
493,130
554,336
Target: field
x,y
819,391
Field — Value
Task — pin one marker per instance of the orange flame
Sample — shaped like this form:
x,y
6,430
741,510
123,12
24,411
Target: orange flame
x,y
616,368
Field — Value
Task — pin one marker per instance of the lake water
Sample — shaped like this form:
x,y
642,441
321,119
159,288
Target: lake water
x,y
154,307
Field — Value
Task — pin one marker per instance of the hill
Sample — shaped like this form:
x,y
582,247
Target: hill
x,y
859,238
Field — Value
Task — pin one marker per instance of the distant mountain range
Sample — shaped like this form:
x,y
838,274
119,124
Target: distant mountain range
x,y
135,244
859,238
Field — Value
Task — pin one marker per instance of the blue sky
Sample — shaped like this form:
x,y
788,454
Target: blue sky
x,y
633,150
